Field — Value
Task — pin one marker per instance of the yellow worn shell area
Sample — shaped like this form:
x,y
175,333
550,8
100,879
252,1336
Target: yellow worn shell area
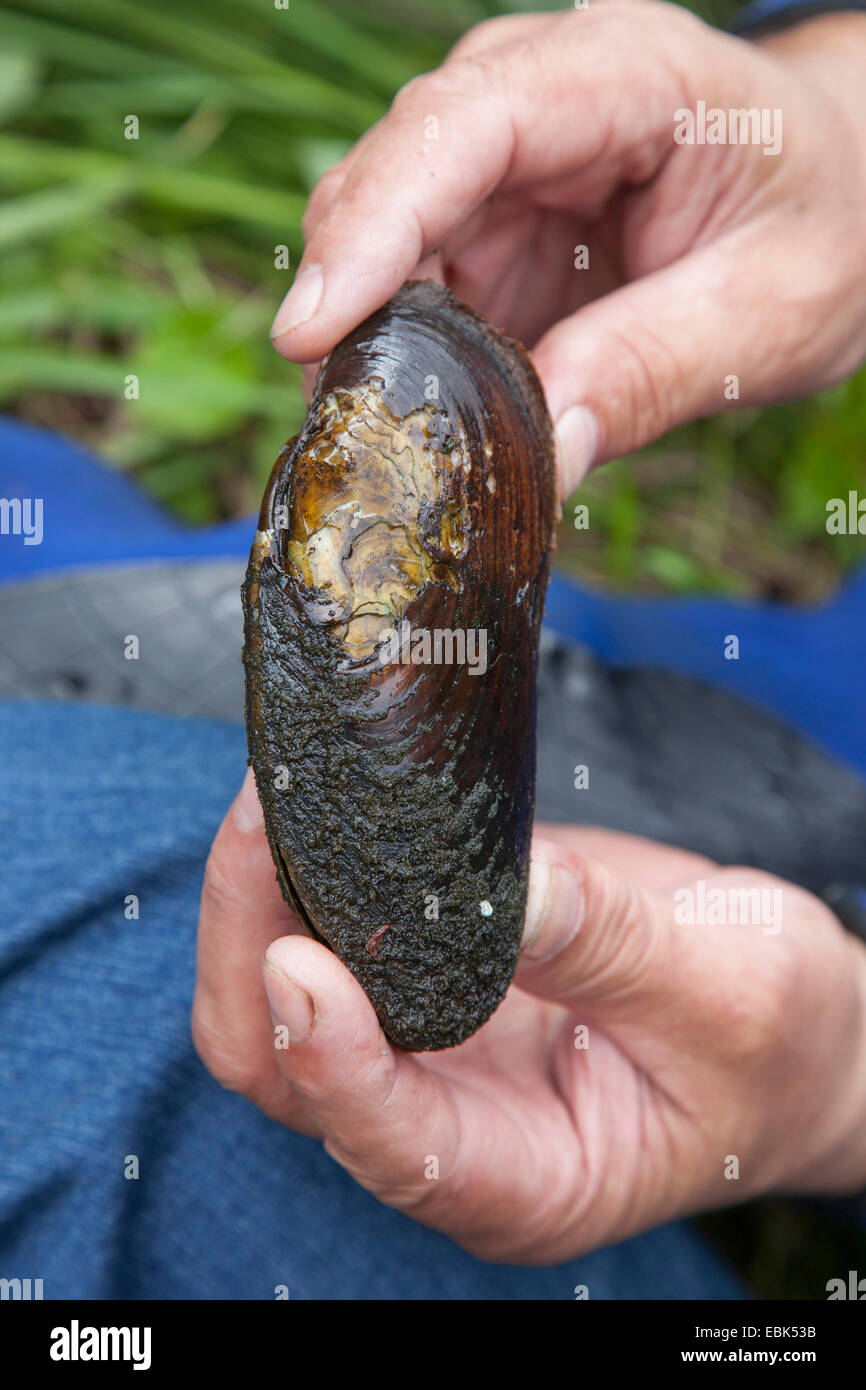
x,y
354,514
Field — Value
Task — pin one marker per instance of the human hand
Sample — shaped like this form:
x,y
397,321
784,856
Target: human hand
x,y
556,131
702,1043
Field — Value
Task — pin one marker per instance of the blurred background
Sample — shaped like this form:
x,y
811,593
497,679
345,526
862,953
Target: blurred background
x,y
155,256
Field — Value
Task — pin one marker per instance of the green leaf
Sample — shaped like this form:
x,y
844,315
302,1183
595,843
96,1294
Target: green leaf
x,y
188,189
19,79
51,212
671,567
193,391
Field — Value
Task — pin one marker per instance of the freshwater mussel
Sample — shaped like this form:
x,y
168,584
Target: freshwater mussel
x,y
392,609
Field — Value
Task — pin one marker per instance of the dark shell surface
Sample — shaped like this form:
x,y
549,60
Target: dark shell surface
x,y
416,505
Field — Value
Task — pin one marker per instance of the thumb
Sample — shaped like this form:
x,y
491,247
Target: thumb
x,y
592,935
625,368
242,912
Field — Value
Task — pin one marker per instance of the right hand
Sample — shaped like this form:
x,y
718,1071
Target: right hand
x,y
556,131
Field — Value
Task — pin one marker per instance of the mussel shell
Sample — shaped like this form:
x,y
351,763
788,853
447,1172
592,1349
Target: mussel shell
x,y
398,796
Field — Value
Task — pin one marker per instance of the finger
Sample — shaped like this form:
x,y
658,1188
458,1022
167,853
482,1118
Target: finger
x,y
430,269
683,342
309,373
455,135
242,912
330,184
593,936
377,231
656,866
380,1112
493,33
324,193
419,1139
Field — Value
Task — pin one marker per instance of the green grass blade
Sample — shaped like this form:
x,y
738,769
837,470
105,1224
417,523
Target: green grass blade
x,y
52,211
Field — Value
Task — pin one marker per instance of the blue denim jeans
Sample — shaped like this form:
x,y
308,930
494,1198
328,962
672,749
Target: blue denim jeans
x,y
97,1068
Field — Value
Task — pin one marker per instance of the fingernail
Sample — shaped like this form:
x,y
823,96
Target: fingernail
x,y
290,1005
246,808
554,906
301,302
576,446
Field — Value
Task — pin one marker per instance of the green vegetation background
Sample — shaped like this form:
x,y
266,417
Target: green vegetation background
x,y
156,257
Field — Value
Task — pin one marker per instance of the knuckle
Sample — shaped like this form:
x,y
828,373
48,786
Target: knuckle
x,y
614,29
627,935
751,1019
457,81
222,896
324,192
810,299
408,95
651,389
233,1072
756,1010
477,69
487,32
618,15
626,15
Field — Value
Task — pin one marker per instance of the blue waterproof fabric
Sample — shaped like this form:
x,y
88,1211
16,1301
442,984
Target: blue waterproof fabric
x,y
778,13
806,665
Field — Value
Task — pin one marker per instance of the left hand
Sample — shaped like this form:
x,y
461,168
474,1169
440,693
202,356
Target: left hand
x,y
705,1042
